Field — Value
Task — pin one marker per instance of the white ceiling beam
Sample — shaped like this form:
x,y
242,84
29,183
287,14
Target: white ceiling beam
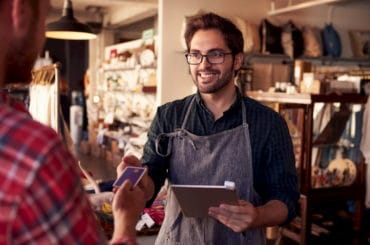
x,y
125,16
303,5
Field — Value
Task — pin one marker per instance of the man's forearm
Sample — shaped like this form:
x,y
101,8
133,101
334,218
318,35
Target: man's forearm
x,y
274,212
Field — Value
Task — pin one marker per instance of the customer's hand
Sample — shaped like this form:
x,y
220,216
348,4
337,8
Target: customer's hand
x,y
128,203
129,160
146,183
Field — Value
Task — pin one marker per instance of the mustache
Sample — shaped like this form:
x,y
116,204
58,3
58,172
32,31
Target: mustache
x,y
209,70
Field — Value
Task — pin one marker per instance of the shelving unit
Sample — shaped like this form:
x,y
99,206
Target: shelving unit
x,y
127,99
261,71
301,5
322,60
360,62
130,77
305,162
124,101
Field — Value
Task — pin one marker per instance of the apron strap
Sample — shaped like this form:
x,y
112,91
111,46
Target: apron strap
x,y
158,143
244,114
187,113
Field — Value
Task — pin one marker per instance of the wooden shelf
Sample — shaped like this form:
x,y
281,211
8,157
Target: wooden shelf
x,y
317,196
324,60
107,69
321,60
334,194
280,97
300,98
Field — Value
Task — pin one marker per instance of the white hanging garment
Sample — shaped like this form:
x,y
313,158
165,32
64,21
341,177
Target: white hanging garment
x,y
43,100
40,100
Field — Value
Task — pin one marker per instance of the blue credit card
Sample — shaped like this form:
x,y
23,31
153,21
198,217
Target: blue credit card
x,y
134,174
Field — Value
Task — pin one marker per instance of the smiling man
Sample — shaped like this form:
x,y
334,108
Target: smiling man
x,y
215,135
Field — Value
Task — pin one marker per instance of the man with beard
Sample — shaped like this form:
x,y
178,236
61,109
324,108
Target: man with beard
x,y
217,135
42,200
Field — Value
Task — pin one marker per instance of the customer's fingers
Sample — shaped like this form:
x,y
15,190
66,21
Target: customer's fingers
x,y
129,160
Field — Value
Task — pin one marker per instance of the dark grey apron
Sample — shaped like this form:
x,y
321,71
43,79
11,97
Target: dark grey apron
x,y
207,160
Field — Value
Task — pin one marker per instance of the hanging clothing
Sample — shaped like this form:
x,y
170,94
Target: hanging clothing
x,y
218,157
43,104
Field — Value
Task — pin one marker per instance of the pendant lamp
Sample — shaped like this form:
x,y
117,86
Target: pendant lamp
x,y
67,27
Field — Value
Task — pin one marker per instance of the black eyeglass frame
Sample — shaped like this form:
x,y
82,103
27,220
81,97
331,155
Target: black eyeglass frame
x,y
207,57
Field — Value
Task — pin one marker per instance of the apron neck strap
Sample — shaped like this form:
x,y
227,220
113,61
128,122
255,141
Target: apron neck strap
x,y
187,113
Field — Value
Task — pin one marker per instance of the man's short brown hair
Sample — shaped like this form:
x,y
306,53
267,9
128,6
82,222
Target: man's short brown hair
x,y
232,35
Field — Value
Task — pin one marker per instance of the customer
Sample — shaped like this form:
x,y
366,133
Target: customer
x,y
41,197
217,135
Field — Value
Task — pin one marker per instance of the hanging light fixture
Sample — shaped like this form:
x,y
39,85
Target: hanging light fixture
x,y
67,27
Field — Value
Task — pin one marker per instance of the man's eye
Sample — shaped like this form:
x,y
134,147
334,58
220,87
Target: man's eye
x,y
214,54
194,55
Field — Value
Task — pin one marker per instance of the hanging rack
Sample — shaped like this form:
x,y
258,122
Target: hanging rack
x,y
49,74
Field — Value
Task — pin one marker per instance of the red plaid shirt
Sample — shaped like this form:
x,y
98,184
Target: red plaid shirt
x,y
41,197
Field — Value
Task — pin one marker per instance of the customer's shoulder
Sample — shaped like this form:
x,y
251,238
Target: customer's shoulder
x,y
20,125
27,141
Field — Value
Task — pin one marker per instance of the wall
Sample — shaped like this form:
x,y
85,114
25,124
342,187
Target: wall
x,y
96,53
173,78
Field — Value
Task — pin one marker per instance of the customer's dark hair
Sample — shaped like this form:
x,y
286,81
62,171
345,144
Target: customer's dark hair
x,y
232,35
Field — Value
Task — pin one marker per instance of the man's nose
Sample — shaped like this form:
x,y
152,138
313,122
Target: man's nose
x,y
205,62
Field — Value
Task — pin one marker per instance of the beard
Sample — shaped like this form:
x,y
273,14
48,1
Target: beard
x,y
223,80
20,59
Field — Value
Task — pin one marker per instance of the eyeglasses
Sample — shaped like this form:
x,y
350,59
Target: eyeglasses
x,y
215,57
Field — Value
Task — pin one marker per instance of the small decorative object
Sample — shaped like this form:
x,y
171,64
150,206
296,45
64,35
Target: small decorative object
x,y
271,38
343,170
331,41
147,57
360,42
312,41
292,40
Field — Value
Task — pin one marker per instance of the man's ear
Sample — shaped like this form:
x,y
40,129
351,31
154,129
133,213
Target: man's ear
x,y
238,61
21,16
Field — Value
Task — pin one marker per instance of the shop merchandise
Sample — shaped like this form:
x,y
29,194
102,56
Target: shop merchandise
x,y
331,41
313,46
270,38
252,42
292,40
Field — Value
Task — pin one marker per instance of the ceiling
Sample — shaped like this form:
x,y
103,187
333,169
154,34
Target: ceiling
x,y
115,13
123,14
